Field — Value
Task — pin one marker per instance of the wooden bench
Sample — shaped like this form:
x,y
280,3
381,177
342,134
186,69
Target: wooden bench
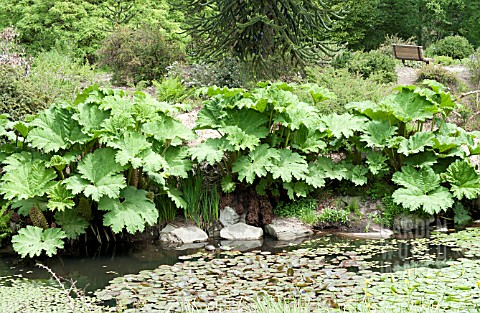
x,y
408,52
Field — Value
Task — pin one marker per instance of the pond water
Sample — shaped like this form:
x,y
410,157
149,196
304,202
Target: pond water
x,y
93,267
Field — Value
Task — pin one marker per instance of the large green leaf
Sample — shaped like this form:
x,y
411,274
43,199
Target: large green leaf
x,y
179,162
308,141
377,163
443,143
257,164
59,198
377,134
441,96
72,223
238,139
90,117
422,190
344,125
23,206
54,129
296,189
357,174
289,165
132,211
211,115
414,144
146,108
298,114
464,180
25,177
154,162
212,151
322,169
165,128
32,241
98,175
118,103
374,111
315,176
243,129
130,146
408,105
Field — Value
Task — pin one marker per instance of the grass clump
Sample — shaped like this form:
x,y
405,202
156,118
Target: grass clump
x,y
305,209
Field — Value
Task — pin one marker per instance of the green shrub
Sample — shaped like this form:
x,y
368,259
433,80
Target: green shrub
x,y
56,76
373,64
348,87
334,215
136,55
439,74
52,77
456,47
16,96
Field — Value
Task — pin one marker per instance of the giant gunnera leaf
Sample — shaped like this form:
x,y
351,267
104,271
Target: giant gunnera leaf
x,y
54,129
344,125
130,146
98,175
132,210
377,134
212,150
59,198
464,180
256,164
289,165
25,177
32,241
72,223
421,190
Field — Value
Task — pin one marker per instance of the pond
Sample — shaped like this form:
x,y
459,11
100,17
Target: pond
x,y
144,277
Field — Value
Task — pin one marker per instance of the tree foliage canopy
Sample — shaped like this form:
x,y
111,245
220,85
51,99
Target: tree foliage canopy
x,y
256,30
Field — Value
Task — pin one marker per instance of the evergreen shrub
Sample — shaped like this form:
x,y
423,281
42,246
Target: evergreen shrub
x,y
135,55
456,47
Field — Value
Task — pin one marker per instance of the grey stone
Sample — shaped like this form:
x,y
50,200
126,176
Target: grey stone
x,y
287,229
241,231
243,245
183,234
409,222
228,216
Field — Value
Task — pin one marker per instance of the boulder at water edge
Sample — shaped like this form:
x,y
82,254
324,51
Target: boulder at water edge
x,y
228,216
287,229
182,234
241,231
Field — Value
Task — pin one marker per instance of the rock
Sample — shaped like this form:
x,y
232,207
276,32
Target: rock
x,y
183,234
287,229
228,216
409,222
241,231
242,245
